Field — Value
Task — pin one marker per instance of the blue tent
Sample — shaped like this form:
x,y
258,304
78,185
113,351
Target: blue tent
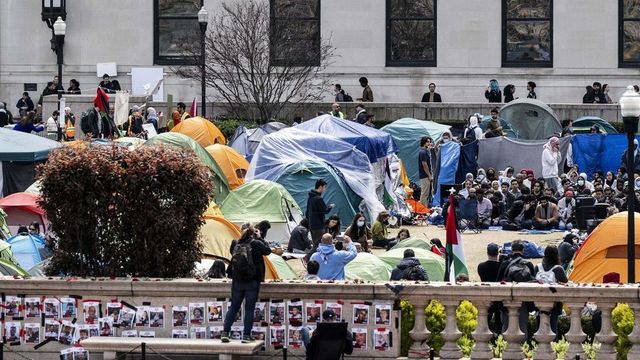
x,y
375,143
245,141
27,250
406,134
592,152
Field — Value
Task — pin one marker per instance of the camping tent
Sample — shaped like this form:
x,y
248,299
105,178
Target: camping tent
x,y
412,243
184,142
216,235
26,250
22,209
245,141
299,178
406,134
6,254
201,130
367,267
234,165
8,268
605,251
213,209
260,200
583,125
277,268
531,119
20,153
432,263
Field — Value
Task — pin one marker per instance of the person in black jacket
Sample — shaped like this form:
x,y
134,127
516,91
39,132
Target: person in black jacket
x,y
316,210
509,90
4,117
311,342
299,241
134,123
25,104
409,268
246,290
432,95
493,93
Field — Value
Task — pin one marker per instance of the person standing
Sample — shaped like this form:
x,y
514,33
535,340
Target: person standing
x,y
432,95
473,131
316,211
425,170
493,93
636,158
551,272
135,122
4,116
531,86
49,90
367,93
74,87
509,90
25,104
247,272
332,261
107,85
178,115
551,159
361,114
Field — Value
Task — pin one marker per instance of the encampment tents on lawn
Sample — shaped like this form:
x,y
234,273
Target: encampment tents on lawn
x,y
234,165
367,267
216,235
531,119
27,250
245,141
22,209
201,130
432,263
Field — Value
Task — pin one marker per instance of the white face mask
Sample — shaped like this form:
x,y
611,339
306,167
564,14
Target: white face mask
x,y
580,182
360,223
445,140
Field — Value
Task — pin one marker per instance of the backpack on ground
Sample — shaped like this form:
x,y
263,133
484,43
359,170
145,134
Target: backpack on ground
x,y
518,271
242,266
413,273
347,98
546,277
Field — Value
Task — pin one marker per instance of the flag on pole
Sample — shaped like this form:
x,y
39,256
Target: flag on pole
x,y
456,263
193,110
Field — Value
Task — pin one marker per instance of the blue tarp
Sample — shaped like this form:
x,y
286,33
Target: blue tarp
x,y
375,143
26,250
531,250
592,152
19,146
468,162
449,160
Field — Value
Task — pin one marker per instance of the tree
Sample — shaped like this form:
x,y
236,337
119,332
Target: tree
x,y
242,67
115,212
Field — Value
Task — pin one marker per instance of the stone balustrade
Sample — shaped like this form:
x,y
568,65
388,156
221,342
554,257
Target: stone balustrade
x,y
166,293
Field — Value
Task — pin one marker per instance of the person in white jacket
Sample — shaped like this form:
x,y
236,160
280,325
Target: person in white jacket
x,y
551,158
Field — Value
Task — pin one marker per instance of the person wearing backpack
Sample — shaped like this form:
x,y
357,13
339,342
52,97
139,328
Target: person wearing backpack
x,y
473,131
550,271
246,271
409,268
135,122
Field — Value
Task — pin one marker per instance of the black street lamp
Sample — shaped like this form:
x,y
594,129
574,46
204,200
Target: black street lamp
x,y
203,19
59,30
630,108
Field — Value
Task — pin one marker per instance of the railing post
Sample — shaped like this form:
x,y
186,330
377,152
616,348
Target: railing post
x,y
482,334
545,335
634,337
144,351
451,333
575,336
419,334
606,336
513,335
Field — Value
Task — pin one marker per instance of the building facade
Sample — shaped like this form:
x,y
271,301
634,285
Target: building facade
x,y
399,45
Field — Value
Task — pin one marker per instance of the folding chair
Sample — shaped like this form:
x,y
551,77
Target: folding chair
x,y
467,214
330,340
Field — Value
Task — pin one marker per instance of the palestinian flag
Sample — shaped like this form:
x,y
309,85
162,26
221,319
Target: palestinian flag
x,y
455,264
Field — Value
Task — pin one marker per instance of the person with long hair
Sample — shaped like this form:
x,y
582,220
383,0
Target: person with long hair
x,y
379,230
359,232
332,226
26,124
217,270
493,93
509,90
74,87
403,234
550,271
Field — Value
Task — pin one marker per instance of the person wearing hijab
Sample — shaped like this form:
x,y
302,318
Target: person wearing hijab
x,y
493,93
636,159
551,158
473,131
507,175
482,177
152,117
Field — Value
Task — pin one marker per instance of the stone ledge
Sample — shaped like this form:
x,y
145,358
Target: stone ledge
x,y
171,346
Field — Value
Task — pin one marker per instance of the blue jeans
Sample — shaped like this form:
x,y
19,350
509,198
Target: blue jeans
x,y
247,291
304,333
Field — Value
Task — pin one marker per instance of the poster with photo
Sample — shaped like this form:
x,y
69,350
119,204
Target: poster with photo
x,y
196,313
82,331
359,338
12,306
360,314
80,354
260,313
142,316
12,330
215,311
313,312
215,331
198,332
180,334
147,334
51,329
91,310
51,308
32,307
381,339
236,333
277,313
94,329
312,328
126,318
259,333
66,354
238,314
69,309
67,332
277,335
294,312
31,333
129,333
180,316
295,337
106,326
156,317
383,314
113,311
336,307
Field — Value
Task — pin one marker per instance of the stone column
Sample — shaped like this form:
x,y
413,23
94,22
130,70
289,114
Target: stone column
x,y
450,350
419,334
513,335
634,337
482,334
545,335
606,336
575,336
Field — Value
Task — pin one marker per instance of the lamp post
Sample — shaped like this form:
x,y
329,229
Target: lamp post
x,y
203,19
59,30
630,108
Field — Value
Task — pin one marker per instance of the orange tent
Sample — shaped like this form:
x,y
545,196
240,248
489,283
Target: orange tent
x,y
216,235
605,251
201,130
234,165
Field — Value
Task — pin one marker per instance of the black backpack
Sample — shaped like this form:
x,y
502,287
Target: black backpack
x,y
518,271
413,273
347,98
84,118
470,134
242,266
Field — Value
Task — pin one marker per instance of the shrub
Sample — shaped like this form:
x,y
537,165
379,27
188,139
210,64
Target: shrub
x,y
116,212
622,321
229,126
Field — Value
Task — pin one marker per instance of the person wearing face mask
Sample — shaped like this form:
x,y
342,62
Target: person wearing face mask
x,y
583,183
379,230
359,232
446,138
494,129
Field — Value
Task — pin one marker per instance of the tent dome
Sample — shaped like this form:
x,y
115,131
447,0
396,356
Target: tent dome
x,y
22,209
432,263
234,165
27,250
201,130
367,267
583,125
245,141
216,235
531,119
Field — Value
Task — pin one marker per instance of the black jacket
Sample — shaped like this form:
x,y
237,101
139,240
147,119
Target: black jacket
x,y
4,118
259,249
493,96
134,124
502,272
436,97
299,239
90,124
316,210
22,103
403,267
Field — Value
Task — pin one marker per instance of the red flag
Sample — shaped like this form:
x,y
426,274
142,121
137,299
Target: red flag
x,y
193,110
101,100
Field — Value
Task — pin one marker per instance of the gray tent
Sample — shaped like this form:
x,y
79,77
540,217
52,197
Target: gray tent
x,y
245,141
531,119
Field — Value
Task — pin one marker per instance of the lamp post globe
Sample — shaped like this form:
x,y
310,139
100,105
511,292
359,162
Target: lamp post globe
x,y
59,27
203,19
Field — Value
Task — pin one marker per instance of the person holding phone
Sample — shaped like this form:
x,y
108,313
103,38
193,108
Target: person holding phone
x,y
316,211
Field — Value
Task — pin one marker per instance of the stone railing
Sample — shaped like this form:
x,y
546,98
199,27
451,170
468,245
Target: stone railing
x,y
166,293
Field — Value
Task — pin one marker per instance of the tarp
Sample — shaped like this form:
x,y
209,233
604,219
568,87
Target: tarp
x,y
292,145
22,209
432,263
413,243
605,251
276,268
449,159
26,250
468,162
245,141
184,142
367,267
375,143
234,165
406,134
531,119
131,141
301,177
583,125
592,152
216,235
16,176
499,153
20,146
201,130
6,254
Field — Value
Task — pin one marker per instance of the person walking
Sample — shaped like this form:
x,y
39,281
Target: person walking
x,y
425,170
509,90
316,211
332,261
551,159
367,93
531,88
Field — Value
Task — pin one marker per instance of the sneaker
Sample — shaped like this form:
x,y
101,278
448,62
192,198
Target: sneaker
x,y
246,339
224,337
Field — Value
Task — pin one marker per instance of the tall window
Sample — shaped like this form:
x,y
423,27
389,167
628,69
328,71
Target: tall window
x,y
629,33
527,33
411,32
295,32
175,28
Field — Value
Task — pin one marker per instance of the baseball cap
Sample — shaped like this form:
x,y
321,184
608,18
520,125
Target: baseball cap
x,y
328,315
493,249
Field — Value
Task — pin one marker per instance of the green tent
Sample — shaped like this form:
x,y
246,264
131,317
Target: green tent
x,y
300,178
413,243
406,133
4,228
7,268
367,267
283,269
186,143
432,263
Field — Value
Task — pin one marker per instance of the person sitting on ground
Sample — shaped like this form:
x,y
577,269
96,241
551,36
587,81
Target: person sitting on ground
x,y
332,261
409,268
546,215
485,208
379,231
402,235
332,226
299,241
312,270
359,232
311,343
437,248
217,270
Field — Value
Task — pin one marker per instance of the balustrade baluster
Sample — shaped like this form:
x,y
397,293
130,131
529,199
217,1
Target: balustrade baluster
x,y
482,334
575,336
513,335
544,335
606,337
634,337
419,334
450,350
